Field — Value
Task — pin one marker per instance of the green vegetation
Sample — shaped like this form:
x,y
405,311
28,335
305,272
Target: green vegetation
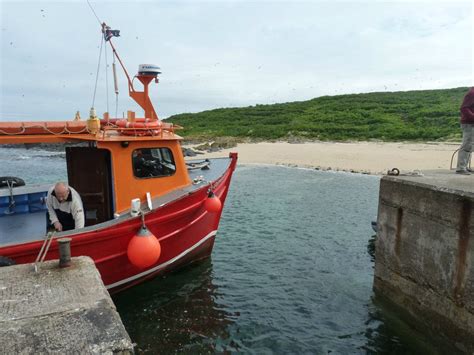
x,y
388,116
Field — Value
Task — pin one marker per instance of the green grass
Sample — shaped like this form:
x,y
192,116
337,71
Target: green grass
x,y
387,116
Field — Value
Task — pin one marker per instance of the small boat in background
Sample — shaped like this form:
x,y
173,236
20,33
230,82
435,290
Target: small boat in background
x,y
134,184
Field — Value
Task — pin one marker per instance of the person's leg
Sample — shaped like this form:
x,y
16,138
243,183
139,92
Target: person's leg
x,y
469,161
466,147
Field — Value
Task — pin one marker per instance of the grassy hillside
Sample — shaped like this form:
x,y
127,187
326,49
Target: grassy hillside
x,y
411,115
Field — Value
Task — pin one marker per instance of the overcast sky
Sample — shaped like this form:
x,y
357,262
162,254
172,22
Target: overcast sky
x,y
228,53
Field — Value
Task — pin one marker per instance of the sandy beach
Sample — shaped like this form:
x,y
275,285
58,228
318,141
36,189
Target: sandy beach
x,y
363,157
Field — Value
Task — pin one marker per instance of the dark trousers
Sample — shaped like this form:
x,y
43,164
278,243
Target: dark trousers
x,y
64,218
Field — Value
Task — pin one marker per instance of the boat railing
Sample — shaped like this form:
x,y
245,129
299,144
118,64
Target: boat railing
x,y
69,128
45,127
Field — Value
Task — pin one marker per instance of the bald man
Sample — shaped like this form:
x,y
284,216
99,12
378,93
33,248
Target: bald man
x,y
65,209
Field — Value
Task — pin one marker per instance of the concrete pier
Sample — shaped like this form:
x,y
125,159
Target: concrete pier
x,y
424,252
57,310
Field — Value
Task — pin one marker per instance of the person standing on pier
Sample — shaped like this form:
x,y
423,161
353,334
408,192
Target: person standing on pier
x,y
467,126
65,211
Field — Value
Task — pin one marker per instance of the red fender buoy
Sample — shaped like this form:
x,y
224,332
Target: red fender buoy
x,y
212,204
144,249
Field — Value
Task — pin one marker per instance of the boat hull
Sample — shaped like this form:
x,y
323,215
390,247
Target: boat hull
x,y
185,229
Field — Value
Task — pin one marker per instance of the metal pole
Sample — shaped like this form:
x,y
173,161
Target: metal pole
x,y
64,252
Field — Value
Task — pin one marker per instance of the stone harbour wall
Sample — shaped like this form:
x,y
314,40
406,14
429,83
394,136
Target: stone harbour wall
x,y
424,252
59,311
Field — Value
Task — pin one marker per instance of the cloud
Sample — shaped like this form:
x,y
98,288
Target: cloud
x,y
232,53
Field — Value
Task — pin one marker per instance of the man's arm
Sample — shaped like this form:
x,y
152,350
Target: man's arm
x,y
52,214
49,203
77,212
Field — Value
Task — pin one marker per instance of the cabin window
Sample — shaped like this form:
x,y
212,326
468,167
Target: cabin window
x,y
153,162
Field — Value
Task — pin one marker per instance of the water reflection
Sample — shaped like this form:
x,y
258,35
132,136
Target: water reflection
x,y
177,313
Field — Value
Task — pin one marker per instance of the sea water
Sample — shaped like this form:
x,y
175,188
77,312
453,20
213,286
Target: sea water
x,y
34,166
290,271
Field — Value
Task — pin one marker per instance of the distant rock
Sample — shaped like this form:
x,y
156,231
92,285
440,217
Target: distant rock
x,y
190,152
217,145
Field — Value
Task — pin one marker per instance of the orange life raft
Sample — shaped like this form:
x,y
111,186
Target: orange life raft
x,y
139,127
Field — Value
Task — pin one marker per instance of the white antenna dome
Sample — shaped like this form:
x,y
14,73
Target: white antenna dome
x,y
149,69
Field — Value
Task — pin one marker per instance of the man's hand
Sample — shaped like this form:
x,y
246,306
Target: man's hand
x,y
58,226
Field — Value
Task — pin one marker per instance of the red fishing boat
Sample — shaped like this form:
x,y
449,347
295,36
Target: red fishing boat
x,y
147,210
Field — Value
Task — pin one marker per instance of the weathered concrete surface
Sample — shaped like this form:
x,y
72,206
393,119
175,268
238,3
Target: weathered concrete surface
x,y
58,311
424,251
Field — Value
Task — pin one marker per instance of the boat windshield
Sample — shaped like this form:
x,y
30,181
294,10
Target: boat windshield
x,y
153,162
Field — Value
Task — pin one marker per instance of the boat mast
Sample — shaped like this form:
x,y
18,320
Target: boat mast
x,y
141,97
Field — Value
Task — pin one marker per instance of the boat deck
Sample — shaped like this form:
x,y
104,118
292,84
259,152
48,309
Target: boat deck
x,y
24,226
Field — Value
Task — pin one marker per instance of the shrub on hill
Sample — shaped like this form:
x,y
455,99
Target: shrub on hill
x,y
388,116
